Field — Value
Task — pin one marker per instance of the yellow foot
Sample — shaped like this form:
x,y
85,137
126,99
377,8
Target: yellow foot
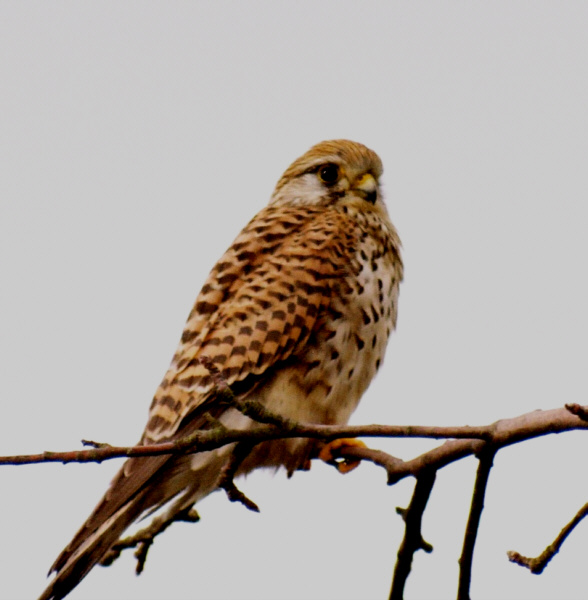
x,y
329,453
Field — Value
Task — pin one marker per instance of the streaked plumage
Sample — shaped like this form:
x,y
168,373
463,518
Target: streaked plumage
x,y
296,314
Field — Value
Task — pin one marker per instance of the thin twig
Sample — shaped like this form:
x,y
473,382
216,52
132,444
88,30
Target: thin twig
x,y
250,408
413,538
486,458
143,539
226,481
537,564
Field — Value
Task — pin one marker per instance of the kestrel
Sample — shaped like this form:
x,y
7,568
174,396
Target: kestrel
x,y
295,315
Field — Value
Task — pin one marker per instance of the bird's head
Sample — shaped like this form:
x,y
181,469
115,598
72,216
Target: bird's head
x,y
332,172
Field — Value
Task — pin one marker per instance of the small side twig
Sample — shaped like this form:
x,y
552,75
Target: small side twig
x,y
250,408
143,539
578,410
93,444
486,458
226,481
413,539
538,563
258,412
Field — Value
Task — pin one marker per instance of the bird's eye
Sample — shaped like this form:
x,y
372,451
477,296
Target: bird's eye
x,y
329,174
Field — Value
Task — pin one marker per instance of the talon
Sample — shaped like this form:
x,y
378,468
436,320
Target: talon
x,y
329,453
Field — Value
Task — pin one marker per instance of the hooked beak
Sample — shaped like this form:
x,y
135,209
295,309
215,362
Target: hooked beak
x,y
367,188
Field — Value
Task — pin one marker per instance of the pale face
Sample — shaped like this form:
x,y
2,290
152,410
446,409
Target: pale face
x,y
330,172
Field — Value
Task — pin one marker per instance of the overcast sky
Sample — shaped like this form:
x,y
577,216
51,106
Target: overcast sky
x,y
138,138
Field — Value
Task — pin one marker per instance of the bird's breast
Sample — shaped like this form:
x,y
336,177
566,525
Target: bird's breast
x,y
324,382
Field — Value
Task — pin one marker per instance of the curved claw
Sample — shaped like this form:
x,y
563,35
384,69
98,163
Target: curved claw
x,y
329,454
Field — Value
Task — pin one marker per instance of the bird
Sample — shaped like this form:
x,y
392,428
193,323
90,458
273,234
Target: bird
x,y
295,316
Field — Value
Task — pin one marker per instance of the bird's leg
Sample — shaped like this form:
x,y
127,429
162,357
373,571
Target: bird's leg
x,y
331,451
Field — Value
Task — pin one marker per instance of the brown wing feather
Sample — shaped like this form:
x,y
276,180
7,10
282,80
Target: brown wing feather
x,y
279,275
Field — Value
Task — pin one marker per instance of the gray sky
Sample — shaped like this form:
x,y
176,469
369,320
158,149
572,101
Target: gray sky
x,y
137,139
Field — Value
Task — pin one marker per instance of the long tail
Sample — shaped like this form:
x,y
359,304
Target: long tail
x,y
142,484
75,564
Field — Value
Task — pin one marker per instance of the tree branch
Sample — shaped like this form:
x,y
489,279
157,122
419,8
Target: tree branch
x,y
226,481
483,441
413,538
537,564
469,440
143,539
486,458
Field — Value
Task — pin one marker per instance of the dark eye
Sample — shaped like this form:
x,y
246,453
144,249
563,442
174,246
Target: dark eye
x,y
329,174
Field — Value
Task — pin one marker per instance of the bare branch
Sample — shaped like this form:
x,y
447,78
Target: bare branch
x,y
227,483
250,408
486,458
470,439
505,432
413,539
482,441
537,564
143,539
